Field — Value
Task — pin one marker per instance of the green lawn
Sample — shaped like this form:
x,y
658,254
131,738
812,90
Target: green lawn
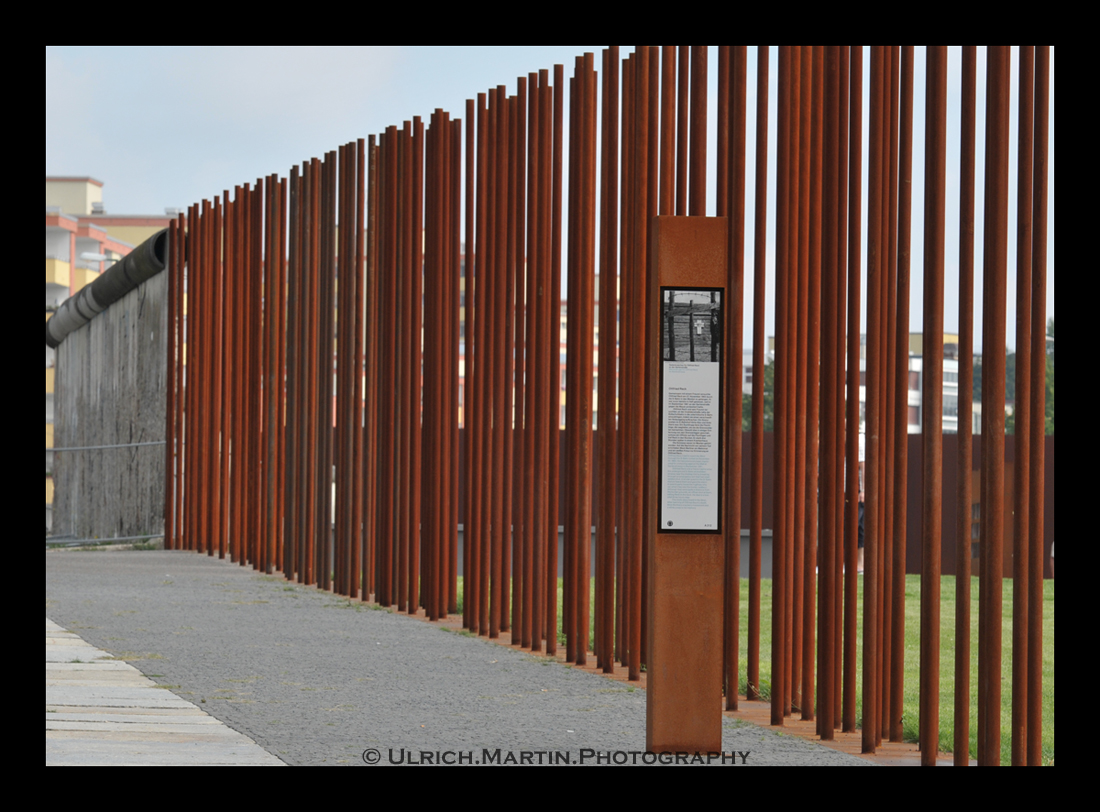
x,y
912,666
910,697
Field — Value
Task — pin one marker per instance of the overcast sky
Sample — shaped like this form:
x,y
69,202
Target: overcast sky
x,y
166,127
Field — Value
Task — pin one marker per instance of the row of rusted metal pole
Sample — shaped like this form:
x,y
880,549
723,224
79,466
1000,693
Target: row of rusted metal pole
x,y
329,329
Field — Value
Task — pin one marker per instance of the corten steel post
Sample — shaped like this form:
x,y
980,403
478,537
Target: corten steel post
x,y
886,389
342,527
897,365
454,310
202,375
358,586
388,324
300,324
402,361
853,485
224,349
932,399
245,530
569,565
625,282
901,387
487,295
237,281
237,285
277,272
241,461
491,492
308,488
432,394
964,499
520,424
482,367
471,403
1022,415
259,373
698,201
793,471
636,343
531,367
796,297
193,344
668,130
874,327
756,504
812,331
224,265
231,384
627,525
993,388
432,368
250,388
828,408
606,515
388,327
554,352
415,265
652,371
292,444
325,362
683,99
212,506
1038,406
501,394
840,371
510,525
280,241
731,356
209,310
535,449
779,524
721,197
273,373
494,251
371,359
239,447
587,291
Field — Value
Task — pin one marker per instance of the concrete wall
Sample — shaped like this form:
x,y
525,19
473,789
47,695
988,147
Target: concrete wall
x,y
110,389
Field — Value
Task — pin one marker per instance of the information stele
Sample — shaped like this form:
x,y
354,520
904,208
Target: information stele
x,y
690,484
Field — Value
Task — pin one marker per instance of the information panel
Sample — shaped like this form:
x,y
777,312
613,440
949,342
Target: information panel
x,y
691,439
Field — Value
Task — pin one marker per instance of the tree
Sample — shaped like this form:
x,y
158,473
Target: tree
x,y
769,400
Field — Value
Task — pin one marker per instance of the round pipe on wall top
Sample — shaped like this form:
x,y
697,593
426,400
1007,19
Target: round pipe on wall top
x,y
144,262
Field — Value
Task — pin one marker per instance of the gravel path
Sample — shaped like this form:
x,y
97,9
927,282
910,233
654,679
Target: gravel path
x,y
317,679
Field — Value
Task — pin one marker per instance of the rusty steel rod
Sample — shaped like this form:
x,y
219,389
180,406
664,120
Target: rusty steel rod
x,y
606,516
756,502
963,543
995,260
1038,407
932,399
731,357
1022,414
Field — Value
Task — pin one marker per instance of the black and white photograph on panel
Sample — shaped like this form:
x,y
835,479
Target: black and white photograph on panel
x,y
691,325
691,352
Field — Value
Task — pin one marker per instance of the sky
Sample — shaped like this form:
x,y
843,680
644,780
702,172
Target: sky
x,y
167,127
